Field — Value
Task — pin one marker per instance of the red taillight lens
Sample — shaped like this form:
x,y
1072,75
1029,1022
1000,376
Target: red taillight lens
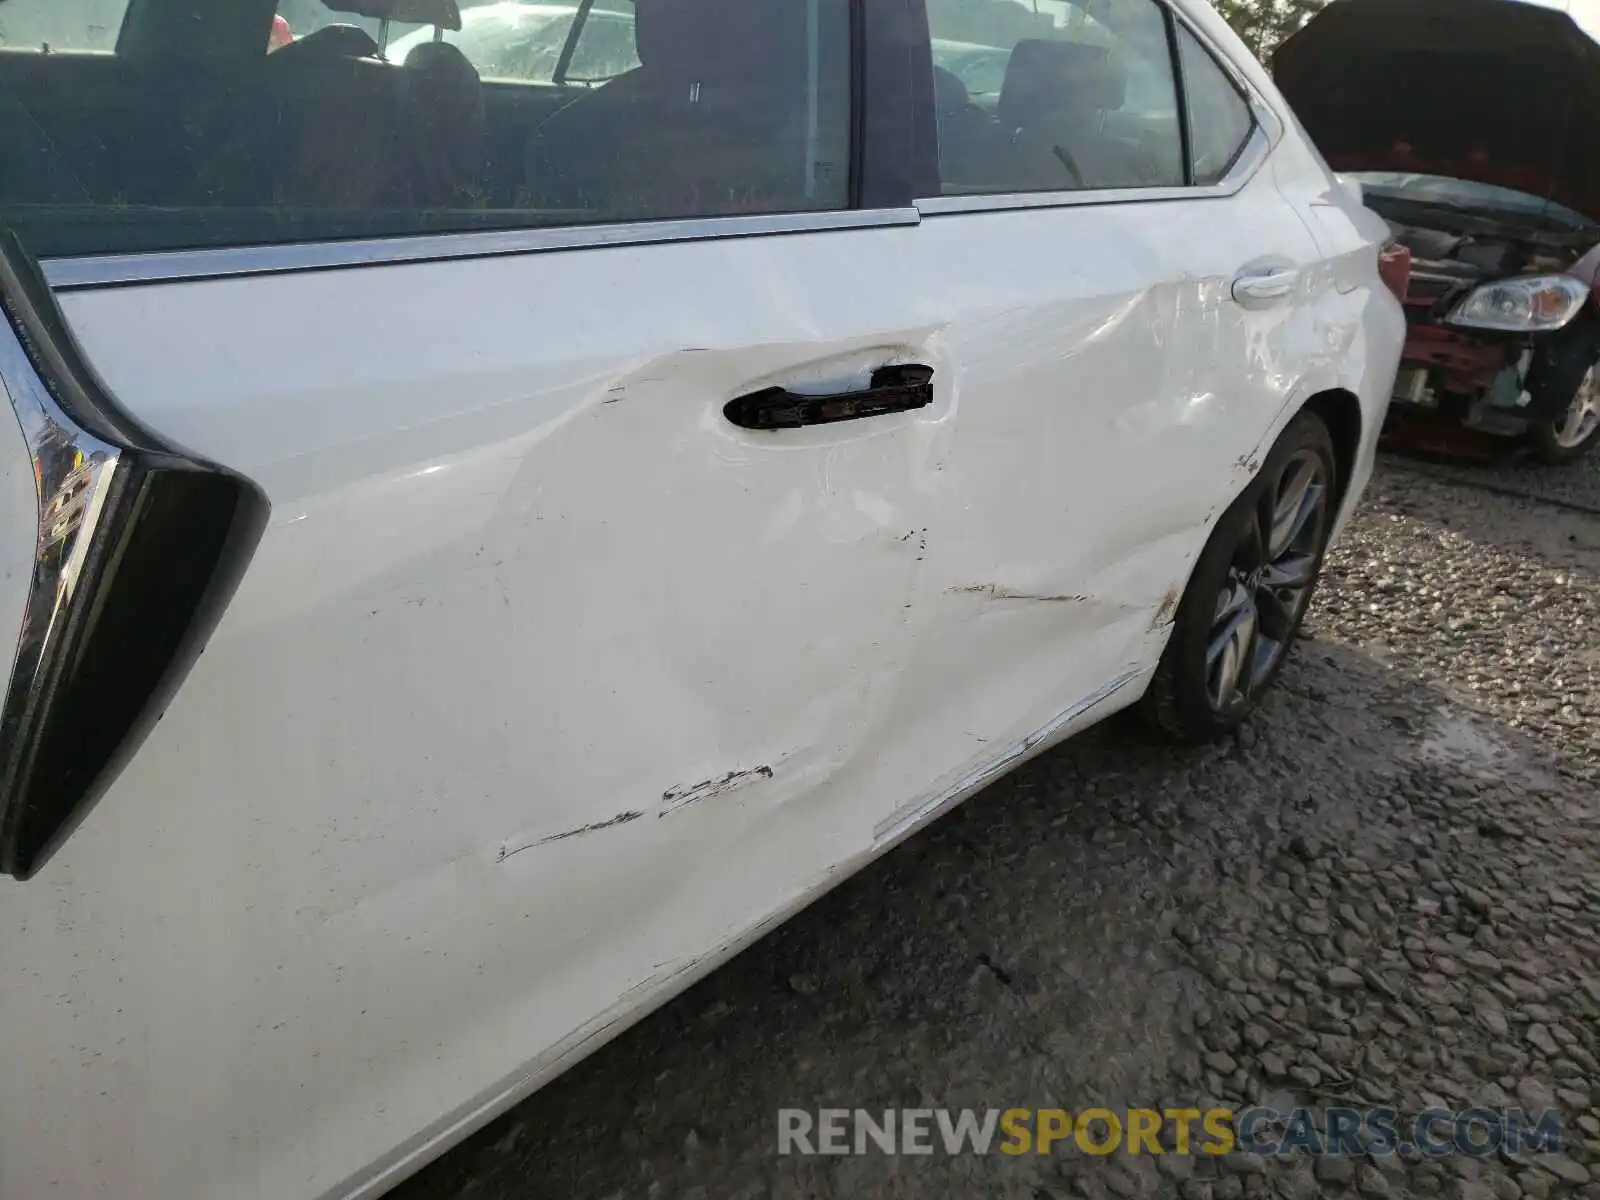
x,y
1394,267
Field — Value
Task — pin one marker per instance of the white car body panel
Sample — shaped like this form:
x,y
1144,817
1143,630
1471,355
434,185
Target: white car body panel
x,y
548,689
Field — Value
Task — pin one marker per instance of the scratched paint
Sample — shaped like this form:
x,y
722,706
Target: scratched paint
x,y
620,819
995,591
619,597
675,798
1167,610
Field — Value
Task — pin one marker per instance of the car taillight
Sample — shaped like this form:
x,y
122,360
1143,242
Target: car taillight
x,y
1394,268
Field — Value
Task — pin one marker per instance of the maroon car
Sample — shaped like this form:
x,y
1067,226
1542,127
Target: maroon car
x,y
1472,127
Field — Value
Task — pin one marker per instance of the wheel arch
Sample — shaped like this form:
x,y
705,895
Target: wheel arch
x,y
1340,410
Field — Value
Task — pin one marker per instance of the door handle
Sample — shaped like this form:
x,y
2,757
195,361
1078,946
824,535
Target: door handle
x,y
897,388
1266,288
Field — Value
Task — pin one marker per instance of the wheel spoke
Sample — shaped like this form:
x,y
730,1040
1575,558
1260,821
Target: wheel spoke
x,y
1234,599
1277,546
1251,550
1290,571
1230,646
1582,415
1298,498
1276,614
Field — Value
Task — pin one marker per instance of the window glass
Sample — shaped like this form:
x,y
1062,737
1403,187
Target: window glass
x,y
605,48
1053,96
46,25
220,122
516,41
1219,117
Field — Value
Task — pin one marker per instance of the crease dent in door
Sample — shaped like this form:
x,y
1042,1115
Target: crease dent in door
x,y
589,605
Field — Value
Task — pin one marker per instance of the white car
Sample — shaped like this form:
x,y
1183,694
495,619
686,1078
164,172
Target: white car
x,y
611,514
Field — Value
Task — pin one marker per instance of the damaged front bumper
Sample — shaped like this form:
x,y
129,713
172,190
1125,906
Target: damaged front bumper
x,y
1478,380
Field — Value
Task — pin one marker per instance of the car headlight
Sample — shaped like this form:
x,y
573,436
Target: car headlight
x,y
1529,304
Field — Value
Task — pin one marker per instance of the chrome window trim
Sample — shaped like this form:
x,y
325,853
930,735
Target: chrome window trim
x,y
1249,162
172,266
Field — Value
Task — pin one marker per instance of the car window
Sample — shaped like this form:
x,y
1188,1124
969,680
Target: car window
x,y
256,126
605,48
524,42
1049,98
981,69
1219,117
50,25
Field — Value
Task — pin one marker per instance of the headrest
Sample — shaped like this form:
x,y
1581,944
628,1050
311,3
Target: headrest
x,y
442,80
694,37
1045,76
950,95
440,58
444,13
330,42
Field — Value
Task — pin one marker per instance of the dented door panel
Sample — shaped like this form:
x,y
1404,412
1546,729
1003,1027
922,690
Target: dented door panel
x,y
548,686
1111,398
541,686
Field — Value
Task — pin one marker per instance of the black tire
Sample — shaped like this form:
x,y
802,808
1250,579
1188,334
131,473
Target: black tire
x,y
1552,441
1183,698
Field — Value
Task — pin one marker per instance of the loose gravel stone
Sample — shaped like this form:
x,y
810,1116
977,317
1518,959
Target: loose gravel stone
x,y
1371,1183
1564,1169
1337,1170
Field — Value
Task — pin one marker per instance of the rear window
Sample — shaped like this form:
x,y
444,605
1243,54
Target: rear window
x,y
1048,97
526,42
51,25
1219,116
175,124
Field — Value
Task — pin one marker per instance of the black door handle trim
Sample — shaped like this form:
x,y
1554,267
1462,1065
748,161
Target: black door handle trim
x,y
897,388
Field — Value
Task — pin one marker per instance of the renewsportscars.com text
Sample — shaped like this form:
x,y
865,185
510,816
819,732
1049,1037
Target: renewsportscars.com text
x,y
1263,1131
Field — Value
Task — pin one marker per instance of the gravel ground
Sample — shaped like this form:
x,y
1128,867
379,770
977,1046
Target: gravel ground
x,y
1386,891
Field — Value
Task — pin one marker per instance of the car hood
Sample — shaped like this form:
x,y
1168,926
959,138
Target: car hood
x,y
1496,91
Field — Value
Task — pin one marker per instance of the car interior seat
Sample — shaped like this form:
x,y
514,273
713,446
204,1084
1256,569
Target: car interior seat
x,y
1053,103
711,121
442,126
317,133
335,126
975,151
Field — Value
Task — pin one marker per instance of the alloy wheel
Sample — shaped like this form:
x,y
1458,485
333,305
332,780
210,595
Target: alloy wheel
x,y
1268,583
1582,416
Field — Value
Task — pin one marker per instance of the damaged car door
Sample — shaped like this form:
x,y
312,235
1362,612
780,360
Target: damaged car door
x,y
1130,327
595,525
611,515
